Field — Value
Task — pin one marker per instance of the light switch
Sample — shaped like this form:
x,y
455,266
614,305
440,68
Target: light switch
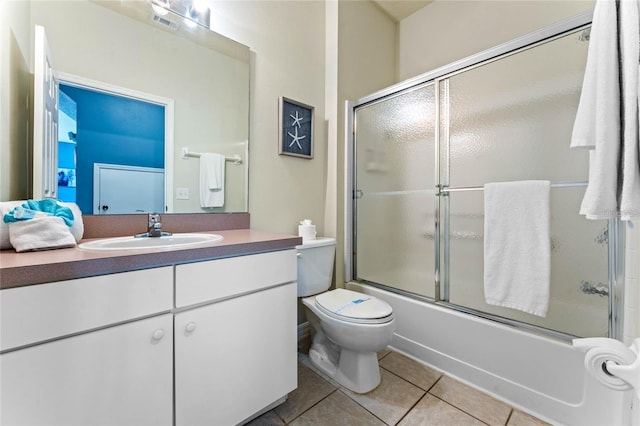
x,y
182,193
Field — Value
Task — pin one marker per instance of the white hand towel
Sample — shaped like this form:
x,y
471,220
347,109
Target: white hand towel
x,y
77,229
517,248
212,173
43,233
6,207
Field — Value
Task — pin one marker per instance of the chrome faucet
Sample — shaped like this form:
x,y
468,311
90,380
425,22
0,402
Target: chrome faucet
x,y
154,228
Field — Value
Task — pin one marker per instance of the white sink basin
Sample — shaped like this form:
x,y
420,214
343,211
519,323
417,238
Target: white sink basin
x,y
133,243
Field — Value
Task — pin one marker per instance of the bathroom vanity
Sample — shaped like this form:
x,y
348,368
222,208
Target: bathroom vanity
x,y
203,335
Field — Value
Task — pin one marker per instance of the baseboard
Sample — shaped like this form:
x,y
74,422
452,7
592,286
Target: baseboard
x,y
304,337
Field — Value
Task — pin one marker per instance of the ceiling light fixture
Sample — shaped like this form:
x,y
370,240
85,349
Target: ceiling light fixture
x,y
194,12
160,7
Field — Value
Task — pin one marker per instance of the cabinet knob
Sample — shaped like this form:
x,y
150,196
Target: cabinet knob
x,y
158,334
190,327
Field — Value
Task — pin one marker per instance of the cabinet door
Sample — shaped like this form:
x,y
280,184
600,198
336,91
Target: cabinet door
x,y
116,376
235,357
38,313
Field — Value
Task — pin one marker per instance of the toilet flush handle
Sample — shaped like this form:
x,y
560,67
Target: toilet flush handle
x,y
299,254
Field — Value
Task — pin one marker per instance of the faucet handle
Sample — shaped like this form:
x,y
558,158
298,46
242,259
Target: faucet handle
x,y
155,226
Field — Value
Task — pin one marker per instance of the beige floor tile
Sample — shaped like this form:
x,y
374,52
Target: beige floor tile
x,y
518,418
433,411
267,419
472,401
311,389
391,400
410,370
337,410
383,353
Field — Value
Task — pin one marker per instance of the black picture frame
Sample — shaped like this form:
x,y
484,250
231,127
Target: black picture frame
x,y
295,129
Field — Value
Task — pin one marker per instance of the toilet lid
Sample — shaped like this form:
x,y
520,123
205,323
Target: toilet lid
x,y
353,305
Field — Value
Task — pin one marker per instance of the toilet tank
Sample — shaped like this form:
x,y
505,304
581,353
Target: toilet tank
x,y
315,265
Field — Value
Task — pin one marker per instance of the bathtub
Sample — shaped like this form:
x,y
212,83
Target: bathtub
x,y
538,375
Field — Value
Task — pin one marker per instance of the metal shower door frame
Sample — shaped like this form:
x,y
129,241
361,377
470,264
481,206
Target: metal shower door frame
x,y
439,77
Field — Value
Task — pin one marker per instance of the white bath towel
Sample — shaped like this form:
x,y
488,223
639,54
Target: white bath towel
x,y
517,248
629,174
212,173
43,233
607,117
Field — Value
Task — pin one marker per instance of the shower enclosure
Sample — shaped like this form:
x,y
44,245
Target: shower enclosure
x,y
421,152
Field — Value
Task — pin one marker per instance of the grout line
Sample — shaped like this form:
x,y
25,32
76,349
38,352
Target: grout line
x,y
412,407
459,409
412,383
509,418
362,406
313,405
337,387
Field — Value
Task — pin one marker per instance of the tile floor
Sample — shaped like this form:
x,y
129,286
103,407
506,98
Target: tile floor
x,y
409,394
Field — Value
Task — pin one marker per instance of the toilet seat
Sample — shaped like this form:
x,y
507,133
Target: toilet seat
x,y
350,306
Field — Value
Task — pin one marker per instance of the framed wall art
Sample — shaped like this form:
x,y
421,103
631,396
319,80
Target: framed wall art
x,y
296,129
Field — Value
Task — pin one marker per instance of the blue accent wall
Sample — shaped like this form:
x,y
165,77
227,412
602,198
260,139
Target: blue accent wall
x,y
114,130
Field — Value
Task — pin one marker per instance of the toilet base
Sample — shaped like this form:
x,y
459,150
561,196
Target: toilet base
x,y
355,371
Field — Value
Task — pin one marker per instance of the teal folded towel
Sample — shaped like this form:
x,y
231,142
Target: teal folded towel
x,y
34,208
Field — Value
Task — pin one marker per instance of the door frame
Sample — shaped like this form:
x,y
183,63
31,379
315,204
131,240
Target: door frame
x,y
167,103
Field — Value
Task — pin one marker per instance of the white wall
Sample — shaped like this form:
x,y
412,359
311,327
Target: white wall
x,y
448,30
367,48
287,42
15,78
632,283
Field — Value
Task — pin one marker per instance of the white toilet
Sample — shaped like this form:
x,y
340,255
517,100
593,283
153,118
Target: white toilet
x,y
348,327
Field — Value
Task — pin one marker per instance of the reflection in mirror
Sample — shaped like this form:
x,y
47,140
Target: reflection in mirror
x,y
111,151
123,44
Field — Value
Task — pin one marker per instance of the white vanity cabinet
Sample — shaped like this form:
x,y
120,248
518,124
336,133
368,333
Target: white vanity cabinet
x,y
210,342
236,348
89,351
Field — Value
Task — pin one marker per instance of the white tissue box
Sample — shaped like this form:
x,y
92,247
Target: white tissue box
x,y
307,232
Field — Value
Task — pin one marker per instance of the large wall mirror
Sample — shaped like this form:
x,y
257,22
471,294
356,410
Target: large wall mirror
x,y
125,47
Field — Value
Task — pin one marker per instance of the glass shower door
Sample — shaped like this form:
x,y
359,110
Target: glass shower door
x,y
395,191
509,120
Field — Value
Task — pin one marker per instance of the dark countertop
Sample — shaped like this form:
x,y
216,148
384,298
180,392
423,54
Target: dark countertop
x,y
22,269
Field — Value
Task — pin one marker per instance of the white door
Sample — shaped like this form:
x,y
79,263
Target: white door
x,y
117,376
235,357
119,189
45,120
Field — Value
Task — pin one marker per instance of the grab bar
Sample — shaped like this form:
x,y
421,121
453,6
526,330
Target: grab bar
x,y
588,288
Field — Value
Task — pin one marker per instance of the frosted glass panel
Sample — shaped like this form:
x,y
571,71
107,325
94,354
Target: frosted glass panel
x,y
395,143
511,119
395,175
578,257
395,242
508,119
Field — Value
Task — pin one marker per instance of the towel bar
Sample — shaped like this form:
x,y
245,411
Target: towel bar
x,y
186,154
480,188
